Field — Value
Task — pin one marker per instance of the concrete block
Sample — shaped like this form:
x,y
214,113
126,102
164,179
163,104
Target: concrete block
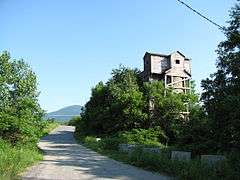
x,y
128,148
181,155
212,159
152,150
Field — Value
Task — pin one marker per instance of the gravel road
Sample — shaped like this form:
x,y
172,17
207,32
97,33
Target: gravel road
x,y
65,159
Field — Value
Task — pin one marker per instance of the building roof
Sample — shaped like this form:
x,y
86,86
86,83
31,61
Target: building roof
x,y
164,55
156,54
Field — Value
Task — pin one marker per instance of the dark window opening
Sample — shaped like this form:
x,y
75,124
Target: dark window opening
x,y
169,79
177,61
183,82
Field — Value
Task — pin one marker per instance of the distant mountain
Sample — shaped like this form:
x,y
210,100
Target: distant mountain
x,y
65,114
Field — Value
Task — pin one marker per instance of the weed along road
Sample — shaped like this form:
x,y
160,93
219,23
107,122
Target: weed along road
x,y
65,159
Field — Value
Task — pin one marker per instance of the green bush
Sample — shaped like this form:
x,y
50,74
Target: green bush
x,y
146,137
49,125
110,143
149,137
74,121
90,139
91,142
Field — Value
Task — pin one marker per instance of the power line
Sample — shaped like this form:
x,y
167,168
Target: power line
x,y
209,20
201,15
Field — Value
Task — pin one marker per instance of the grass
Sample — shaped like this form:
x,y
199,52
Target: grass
x,y
194,169
14,159
49,127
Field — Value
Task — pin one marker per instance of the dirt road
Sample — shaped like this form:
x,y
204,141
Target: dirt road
x,y
65,159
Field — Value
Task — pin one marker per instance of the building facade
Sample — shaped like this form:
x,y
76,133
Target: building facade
x,y
174,70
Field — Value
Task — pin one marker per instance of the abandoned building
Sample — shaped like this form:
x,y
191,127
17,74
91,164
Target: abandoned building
x,y
174,70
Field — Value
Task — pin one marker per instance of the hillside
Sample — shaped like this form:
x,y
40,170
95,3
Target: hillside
x,y
65,113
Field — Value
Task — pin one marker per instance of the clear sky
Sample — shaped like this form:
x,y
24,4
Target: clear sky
x,y
74,44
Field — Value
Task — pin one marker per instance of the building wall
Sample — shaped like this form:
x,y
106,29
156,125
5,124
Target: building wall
x,y
187,66
156,66
177,57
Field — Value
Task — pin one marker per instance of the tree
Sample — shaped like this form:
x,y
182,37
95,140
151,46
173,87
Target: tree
x,y
116,105
221,92
127,99
167,108
96,115
20,113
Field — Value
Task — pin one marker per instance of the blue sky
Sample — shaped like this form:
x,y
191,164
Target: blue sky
x,y
74,44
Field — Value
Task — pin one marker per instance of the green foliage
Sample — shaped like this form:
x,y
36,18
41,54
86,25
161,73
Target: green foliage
x,y
147,137
91,142
14,159
221,95
128,102
110,143
115,106
20,113
150,137
233,165
195,133
167,108
74,121
122,104
48,125
21,122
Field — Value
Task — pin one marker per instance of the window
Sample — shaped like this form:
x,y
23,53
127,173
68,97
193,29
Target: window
x,y
169,79
183,82
177,61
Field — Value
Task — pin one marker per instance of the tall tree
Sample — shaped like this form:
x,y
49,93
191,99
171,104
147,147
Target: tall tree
x,y
116,105
127,98
221,92
20,113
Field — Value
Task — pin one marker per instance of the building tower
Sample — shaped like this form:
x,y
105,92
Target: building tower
x,y
174,70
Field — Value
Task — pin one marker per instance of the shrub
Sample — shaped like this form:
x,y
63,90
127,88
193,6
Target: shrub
x,y
89,139
110,143
48,126
150,137
74,121
91,142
